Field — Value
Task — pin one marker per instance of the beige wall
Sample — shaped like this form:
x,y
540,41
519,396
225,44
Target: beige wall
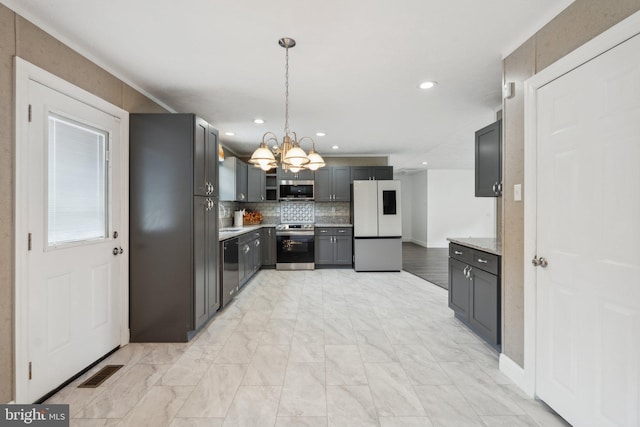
x,y
19,36
576,25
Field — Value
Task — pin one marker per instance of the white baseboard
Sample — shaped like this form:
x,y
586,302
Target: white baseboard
x,y
515,373
419,243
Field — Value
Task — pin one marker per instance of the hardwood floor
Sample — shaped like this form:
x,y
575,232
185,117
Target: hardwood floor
x,y
431,264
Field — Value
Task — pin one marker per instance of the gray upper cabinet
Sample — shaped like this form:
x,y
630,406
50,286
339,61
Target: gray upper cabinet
x,y
205,164
371,172
233,180
256,184
304,174
332,184
488,163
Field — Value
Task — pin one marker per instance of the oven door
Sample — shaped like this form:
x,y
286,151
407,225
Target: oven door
x,y
295,251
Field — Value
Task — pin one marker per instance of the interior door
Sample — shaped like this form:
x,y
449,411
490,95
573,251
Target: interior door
x,y
588,230
75,256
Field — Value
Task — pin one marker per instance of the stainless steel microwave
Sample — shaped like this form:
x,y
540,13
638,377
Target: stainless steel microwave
x,y
296,190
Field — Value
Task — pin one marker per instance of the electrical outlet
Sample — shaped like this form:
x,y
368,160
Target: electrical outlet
x,y
517,192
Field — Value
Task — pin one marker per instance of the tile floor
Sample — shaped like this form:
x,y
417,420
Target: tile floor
x,y
321,348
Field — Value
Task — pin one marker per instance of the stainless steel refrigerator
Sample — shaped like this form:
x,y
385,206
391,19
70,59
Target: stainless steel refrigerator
x,y
377,226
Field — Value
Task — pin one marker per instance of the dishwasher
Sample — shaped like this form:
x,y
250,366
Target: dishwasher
x,y
230,277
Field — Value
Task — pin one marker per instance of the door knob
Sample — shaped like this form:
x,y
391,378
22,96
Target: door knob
x,y
116,251
539,262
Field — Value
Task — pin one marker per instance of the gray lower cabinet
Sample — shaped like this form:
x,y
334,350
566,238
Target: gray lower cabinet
x,y
333,246
268,247
474,290
249,256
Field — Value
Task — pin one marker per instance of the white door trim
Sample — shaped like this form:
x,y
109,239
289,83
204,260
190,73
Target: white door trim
x,y
24,73
595,47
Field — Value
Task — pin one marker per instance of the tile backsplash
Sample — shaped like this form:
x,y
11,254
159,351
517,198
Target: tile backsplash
x,y
297,212
319,212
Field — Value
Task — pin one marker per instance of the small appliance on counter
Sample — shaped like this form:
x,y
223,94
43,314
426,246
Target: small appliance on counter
x,y
377,225
238,217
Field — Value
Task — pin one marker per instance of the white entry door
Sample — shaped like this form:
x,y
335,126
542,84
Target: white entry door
x,y
74,260
588,230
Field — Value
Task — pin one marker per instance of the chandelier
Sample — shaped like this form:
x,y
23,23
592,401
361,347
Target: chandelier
x,y
292,156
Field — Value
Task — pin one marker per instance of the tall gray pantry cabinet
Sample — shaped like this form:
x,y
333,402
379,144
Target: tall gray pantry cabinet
x,y
174,284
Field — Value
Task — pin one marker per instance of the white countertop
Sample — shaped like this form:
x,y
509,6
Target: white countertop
x,y
231,232
333,225
487,244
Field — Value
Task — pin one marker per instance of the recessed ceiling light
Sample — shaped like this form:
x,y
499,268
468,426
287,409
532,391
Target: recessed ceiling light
x,y
229,133
335,147
258,121
427,85
424,163
320,134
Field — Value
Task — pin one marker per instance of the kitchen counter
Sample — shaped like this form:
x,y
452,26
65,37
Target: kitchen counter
x,y
231,232
333,225
486,244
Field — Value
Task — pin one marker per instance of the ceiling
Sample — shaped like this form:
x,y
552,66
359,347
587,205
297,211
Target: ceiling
x,y
354,73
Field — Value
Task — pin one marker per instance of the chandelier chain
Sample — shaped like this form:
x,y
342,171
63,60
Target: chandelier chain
x,y
286,92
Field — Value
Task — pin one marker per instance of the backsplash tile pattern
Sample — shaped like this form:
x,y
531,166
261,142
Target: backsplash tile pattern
x,y
333,213
297,213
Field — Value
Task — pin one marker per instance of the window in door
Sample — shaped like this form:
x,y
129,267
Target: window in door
x,y
77,183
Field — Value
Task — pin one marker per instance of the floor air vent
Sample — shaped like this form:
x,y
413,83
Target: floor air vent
x,y
100,376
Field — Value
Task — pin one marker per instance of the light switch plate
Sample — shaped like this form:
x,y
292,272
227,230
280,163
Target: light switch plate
x,y
517,192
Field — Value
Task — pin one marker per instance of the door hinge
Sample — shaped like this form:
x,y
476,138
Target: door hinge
x,y
29,242
30,113
30,372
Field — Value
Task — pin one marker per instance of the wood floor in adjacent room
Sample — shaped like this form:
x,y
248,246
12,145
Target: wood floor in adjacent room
x,y
431,264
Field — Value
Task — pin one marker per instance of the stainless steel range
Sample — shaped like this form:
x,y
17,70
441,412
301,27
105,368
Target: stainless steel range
x,y
295,244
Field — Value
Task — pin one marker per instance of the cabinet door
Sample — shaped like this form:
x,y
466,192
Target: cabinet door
x,y
200,138
323,189
241,181
341,183
305,174
361,172
488,160
343,250
212,265
211,155
323,249
268,246
200,303
484,312
459,289
255,184
383,172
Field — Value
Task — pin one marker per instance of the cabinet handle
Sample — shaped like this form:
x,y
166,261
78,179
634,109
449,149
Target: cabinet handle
x,y
341,231
469,273
494,187
457,252
482,261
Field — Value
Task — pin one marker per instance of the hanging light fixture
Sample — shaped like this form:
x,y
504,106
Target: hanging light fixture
x,y
292,156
